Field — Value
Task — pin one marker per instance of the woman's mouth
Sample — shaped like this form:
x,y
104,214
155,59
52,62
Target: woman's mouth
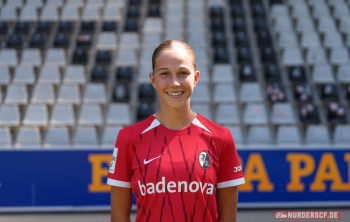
x,y
175,94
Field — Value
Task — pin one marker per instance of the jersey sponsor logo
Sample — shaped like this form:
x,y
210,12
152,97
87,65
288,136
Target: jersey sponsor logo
x,y
114,159
148,161
204,160
173,187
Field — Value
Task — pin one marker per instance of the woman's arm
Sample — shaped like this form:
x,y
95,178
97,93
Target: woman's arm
x,y
227,199
121,200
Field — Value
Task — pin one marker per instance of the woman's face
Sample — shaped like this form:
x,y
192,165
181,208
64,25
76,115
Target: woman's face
x,y
174,77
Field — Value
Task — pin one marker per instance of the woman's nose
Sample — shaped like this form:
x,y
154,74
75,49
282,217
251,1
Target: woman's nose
x,y
174,81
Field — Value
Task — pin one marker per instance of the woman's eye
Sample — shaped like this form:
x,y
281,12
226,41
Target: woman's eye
x,y
183,73
164,73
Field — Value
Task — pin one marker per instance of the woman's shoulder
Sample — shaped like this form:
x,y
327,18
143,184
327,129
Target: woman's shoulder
x,y
136,129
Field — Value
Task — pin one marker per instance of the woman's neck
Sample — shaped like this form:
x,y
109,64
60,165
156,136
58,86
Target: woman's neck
x,y
175,119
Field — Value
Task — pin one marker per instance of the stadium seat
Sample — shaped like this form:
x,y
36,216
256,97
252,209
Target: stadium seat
x,y
272,72
304,23
103,57
8,13
112,13
65,26
239,24
227,114
255,114
241,39
250,92
322,73
129,40
8,57
126,58
343,73
4,76
69,93
147,93
174,24
283,24
237,134
57,137
62,115
118,114
201,94
43,94
303,92
36,115
336,113
121,93
109,26
308,113
276,92
329,92
69,13
152,26
310,39
85,137
291,56
224,93
316,55
202,109
9,115
28,14
107,41
326,24
16,94
37,40
55,57
150,40
342,134
144,111
35,3
287,38
264,39
109,137
196,25
90,114
31,57
317,135
75,74
24,75
299,10
3,27
332,39
282,113
5,138
344,25
49,13
99,74
288,135
95,93
259,135
320,10
28,137
339,55
49,74
222,74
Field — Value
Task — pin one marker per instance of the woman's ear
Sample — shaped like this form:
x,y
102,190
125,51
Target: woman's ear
x,y
153,79
196,77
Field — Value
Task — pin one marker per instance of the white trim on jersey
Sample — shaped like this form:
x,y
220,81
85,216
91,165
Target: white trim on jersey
x,y
198,123
230,183
156,123
118,183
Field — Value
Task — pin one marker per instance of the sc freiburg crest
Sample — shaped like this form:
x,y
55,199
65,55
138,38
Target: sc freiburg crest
x,y
204,160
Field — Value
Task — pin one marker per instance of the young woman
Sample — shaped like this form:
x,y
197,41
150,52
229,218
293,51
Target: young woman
x,y
181,166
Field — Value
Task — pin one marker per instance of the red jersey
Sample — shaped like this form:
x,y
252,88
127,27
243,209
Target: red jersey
x,y
174,173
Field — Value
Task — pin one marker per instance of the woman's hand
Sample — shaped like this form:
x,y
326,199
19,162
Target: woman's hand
x,y
121,200
227,199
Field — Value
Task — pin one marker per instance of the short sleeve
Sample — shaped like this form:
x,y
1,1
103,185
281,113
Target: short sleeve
x,y
230,172
119,173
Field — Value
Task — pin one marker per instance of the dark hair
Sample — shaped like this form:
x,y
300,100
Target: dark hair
x,y
166,45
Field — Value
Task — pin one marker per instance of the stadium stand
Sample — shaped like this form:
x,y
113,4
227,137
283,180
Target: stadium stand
x,y
75,72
